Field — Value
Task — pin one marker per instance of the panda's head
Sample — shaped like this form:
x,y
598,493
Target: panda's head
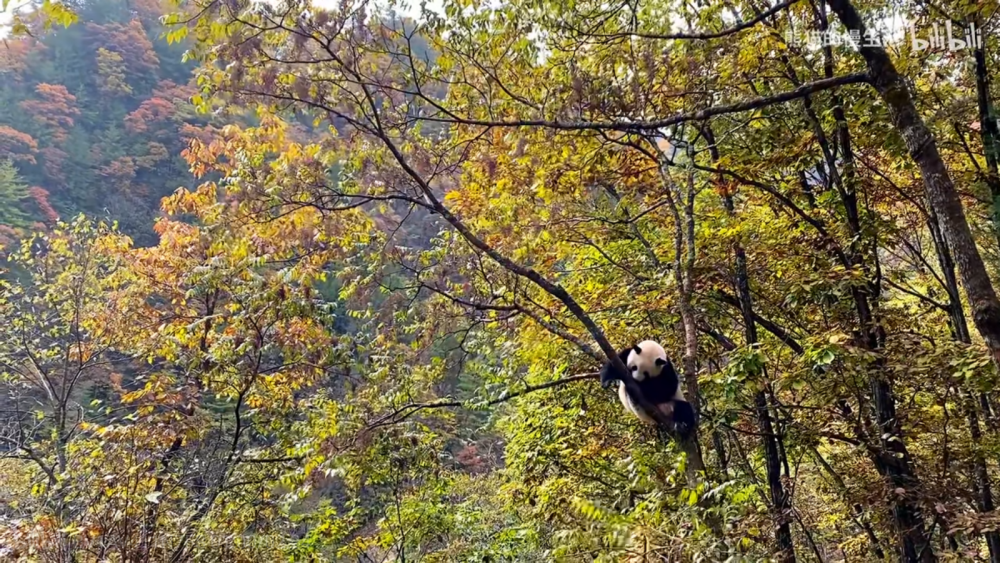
x,y
646,359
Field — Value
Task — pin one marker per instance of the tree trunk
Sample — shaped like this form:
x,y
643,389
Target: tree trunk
x,y
981,476
695,465
938,186
860,519
780,503
989,135
684,272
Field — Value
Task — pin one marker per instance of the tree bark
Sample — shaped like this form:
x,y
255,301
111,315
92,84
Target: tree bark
x,y
684,260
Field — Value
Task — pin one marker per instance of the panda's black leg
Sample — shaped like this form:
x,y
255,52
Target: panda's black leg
x,y
684,418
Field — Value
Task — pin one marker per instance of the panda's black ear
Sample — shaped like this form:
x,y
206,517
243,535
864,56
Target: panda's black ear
x,y
660,362
637,349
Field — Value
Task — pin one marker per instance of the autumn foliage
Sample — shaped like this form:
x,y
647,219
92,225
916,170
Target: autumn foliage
x,y
93,115
344,282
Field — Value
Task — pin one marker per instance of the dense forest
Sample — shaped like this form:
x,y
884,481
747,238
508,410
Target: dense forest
x,y
93,119
304,282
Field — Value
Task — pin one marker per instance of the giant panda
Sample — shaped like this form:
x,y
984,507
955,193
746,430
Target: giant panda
x,y
649,366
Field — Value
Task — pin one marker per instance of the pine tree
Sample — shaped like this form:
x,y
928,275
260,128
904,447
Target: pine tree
x,y
13,195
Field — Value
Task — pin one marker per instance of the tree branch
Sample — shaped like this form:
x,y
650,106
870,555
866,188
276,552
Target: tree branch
x,y
701,36
406,411
768,325
639,126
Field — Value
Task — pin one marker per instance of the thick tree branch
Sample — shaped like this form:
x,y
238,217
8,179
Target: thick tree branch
x,y
530,274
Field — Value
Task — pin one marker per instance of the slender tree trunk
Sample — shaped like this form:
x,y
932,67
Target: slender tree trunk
x,y
915,545
695,463
984,492
893,457
780,503
684,270
980,471
720,452
988,133
860,520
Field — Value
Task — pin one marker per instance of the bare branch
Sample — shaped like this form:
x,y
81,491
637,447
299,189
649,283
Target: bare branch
x,y
406,411
700,36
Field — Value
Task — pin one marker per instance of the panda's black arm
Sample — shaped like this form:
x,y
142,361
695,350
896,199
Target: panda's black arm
x,y
609,373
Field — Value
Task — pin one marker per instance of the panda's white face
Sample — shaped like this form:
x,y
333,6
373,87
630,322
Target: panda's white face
x,y
646,359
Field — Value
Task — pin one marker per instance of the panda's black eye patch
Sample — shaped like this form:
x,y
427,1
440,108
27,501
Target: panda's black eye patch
x,y
634,368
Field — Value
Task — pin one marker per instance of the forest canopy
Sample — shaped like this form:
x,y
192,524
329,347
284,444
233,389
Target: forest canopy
x,y
93,119
333,281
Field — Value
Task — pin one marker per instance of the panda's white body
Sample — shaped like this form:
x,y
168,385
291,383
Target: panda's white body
x,y
627,402
642,365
